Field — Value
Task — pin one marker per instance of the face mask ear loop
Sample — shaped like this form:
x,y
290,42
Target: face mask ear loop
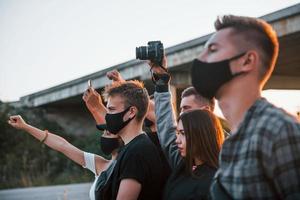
x,y
237,57
128,109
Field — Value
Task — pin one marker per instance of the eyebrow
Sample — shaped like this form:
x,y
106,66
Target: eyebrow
x,y
110,107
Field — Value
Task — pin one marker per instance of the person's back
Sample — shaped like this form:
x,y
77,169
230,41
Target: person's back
x,y
139,159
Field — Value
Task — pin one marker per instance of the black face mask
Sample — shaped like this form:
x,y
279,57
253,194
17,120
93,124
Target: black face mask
x,y
109,144
115,123
148,123
207,78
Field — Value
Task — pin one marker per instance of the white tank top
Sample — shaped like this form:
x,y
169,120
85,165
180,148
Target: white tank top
x,y
89,160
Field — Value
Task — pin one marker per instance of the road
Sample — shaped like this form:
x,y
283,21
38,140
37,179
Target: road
x,y
58,192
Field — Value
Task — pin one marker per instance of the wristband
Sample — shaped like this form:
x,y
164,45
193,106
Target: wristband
x,y
44,139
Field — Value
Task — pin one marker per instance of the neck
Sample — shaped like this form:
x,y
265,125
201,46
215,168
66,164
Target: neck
x,y
236,99
114,155
130,131
153,128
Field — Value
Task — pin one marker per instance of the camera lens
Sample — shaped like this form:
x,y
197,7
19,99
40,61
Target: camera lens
x,y
141,53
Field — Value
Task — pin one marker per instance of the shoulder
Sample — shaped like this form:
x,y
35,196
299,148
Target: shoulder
x,y
274,128
281,123
274,120
141,144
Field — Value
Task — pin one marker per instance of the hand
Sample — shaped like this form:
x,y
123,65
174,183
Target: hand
x,y
158,69
17,122
93,100
114,76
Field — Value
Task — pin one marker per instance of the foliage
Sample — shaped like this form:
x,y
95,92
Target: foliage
x,y
25,162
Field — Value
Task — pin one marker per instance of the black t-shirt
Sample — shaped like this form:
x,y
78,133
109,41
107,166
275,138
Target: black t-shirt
x,y
166,167
140,160
103,183
182,186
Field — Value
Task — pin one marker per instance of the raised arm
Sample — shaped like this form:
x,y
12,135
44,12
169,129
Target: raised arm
x,y
165,115
114,75
93,99
57,143
94,104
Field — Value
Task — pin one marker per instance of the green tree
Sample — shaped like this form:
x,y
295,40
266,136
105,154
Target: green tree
x,y
24,161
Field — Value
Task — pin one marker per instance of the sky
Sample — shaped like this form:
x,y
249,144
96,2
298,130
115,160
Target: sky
x,y
44,43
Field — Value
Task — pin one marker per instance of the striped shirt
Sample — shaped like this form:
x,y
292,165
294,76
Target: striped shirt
x,y
261,160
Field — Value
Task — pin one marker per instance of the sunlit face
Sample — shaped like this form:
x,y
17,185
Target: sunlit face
x,y
115,104
219,47
189,103
180,139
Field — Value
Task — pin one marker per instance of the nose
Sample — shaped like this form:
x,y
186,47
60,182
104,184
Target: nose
x,y
203,55
182,110
177,141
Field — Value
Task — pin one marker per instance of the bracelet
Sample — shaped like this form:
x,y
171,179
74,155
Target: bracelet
x,y
44,139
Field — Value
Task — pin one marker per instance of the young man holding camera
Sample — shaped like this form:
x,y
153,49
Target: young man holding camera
x,y
261,158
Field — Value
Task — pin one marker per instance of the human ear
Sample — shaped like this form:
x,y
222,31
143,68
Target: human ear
x,y
250,61
132,112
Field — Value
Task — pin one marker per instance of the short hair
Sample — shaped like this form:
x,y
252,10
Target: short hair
x,y
192,91
203,140
134,94
256,33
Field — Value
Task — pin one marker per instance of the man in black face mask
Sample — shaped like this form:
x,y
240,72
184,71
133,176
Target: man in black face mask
x,y
135,176
149,124
150,119
260,160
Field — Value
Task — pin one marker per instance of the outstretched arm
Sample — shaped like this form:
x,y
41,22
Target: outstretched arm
x,y
57,143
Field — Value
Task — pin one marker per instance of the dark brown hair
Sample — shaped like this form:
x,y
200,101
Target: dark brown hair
x,y
134,94
254,33
192,91
204,137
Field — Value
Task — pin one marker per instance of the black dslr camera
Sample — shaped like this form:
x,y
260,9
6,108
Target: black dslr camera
x,y
153,52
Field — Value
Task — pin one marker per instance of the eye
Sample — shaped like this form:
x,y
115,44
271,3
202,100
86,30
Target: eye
x,y
212,49
111,108
180,132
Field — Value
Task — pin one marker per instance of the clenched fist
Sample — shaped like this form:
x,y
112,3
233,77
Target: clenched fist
x,y
17,122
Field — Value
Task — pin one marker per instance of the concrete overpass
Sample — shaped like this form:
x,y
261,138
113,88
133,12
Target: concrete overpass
x,y
64,103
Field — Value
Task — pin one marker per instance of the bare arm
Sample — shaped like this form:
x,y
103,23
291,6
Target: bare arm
x,y
129,190
57,143
93,99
